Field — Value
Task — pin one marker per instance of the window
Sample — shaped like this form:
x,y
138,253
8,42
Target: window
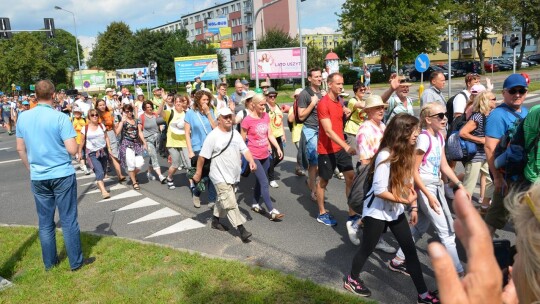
x,y
192,33
241,64
240,36
238,6
239,21
232,8
204,15
211,14
225,10
190,20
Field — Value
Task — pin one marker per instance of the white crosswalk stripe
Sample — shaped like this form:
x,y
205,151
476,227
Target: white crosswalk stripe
x,y
130,193
161,213
145,202
187,224
115,187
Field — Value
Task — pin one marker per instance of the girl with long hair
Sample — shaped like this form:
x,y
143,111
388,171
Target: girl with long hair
x,y
429,165
106,117
97,149
392,189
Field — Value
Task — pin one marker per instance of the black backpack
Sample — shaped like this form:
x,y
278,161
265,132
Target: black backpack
x,y
295,106
450,107
362,183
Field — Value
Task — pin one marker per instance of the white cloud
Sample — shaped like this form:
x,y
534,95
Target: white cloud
x,y
87,42
319,30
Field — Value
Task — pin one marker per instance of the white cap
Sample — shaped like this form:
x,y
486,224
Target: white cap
x,y
225,111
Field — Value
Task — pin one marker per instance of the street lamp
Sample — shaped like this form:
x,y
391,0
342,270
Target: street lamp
x,y
76,41
255,40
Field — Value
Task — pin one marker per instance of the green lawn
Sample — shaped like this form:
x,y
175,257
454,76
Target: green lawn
x,y
130,272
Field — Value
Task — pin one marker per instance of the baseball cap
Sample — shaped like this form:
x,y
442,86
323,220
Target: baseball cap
x,y
244,82
514,80
477,88
140,94
76,109
271,90
25,103
107,90
225,111
249,94
156,88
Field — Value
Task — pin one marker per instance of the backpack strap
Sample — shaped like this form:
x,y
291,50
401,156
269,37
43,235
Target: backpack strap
x,y
170,117
439,135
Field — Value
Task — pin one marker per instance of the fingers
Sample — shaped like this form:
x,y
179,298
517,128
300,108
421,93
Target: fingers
x,y
450,288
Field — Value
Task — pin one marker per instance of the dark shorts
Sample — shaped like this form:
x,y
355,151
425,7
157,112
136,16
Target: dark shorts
x,y
497,214
328,162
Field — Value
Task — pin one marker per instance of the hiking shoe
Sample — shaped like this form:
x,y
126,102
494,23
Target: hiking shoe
x,y
274,184
162,179
170,184
256,208
326,219
356,286
353,236
398,267
150,176
275,215
383,246
218,226
430,299
196,201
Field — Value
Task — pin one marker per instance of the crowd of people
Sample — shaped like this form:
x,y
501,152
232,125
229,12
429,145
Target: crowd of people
x,y
217,139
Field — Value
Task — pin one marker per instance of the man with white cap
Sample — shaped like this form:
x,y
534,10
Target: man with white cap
x,y
223,146
109,99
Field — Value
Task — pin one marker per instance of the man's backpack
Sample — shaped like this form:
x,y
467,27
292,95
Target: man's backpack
x,y
510,155
450,107
361,185
295,105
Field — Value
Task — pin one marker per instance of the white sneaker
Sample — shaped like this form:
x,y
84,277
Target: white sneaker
x,y
87,172
256,208
196,202
448,192
274,184
276,215
150,176
352,233
383,246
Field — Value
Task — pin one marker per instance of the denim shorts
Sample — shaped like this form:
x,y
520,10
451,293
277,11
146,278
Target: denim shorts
x,y
312,136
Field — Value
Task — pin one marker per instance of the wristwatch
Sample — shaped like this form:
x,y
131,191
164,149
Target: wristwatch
x,y
456,186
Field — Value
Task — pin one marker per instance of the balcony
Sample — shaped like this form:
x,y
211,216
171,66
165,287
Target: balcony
x,y
467,52
248,9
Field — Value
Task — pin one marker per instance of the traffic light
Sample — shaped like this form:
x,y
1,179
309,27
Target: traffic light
x,y
49,26
444,47
514,41
5,26
396,54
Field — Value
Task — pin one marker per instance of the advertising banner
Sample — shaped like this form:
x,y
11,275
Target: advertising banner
x,y
204,66
219,34
278,63
125,76
91,81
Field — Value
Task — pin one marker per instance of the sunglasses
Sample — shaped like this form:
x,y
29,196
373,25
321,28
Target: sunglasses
x,y
272,96
440,115
227,116
513,91
94,115
362,90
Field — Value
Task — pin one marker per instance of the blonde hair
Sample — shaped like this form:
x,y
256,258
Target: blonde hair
x,y
527,226
258,98
427,110
481,102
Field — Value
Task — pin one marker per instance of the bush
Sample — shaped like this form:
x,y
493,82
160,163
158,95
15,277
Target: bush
x,y
349,76
378,77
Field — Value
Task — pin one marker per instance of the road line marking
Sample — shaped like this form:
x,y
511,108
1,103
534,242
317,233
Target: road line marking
x,y
145,202
9,161
161,213
1,149
184,225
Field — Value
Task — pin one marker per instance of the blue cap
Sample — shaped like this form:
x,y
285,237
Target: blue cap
x,y
514,80
26,103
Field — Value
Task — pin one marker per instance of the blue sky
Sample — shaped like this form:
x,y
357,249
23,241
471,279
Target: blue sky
x,y
94,16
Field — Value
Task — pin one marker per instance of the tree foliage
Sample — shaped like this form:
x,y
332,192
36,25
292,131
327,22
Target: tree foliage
x,y
377,23
277,38
29,57
111,48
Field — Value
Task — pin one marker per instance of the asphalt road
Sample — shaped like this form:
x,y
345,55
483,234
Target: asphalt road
x,y
298,245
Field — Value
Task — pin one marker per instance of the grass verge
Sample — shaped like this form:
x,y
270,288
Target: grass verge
x,y
131,272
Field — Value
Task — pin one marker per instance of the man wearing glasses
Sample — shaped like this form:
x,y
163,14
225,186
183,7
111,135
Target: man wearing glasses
x,y
499,121
400,102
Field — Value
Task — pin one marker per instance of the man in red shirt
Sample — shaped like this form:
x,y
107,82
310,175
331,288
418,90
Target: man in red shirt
x,y
333,150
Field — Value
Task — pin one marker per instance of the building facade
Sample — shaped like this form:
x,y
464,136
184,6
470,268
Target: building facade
x,y
325,42
240,15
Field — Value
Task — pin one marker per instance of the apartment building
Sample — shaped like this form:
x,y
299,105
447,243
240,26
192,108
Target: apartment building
x,y
325,42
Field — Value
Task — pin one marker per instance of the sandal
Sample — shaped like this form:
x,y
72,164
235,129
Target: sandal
x,y
121,179
136,186
106,195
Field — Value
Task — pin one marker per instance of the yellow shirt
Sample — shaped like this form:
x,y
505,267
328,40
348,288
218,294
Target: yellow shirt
x,y
175,140
78,125
357,118
296,129
276,121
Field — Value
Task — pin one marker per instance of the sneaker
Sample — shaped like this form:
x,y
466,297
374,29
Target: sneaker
x,y
235,188
430,299
275,215
196,201
383,246
352,233
299,172
162,179
326,219
339,175
356,286
150,176
170,184
398,267
448,192
87,172
274,184
256,208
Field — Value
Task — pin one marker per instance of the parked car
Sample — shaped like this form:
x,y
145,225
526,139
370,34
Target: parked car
x,y
469,66
414,75
491,67
535,58
406,69
456,72
503,64
531,63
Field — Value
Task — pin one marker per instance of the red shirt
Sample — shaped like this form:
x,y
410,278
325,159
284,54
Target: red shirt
x,y
327,108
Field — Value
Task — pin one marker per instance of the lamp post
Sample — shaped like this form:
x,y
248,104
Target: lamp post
x,y
76,42
255,40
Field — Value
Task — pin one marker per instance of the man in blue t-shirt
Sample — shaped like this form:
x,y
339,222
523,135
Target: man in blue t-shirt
x,y
498,122
45,140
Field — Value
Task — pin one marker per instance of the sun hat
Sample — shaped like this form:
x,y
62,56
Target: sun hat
x,y
249,94
107,90
271,90
374,101
265,84
76,109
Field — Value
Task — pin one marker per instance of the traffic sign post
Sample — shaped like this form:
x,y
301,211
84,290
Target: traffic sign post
x,y
421,63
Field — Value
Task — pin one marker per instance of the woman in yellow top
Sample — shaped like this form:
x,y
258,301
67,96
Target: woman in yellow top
x,y
276,125
176,136
78,124
296,134
358,116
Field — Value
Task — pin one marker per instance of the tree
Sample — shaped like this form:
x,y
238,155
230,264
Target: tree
x,y
277,38
110,51
526,15
377,23
344,49
62,54
480,18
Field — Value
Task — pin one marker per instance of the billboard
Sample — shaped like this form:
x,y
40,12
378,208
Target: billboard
x,y
91,81
204,66
125,76
219,34
278,63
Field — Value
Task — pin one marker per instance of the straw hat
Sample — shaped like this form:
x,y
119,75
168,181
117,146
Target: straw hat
x,y
374,101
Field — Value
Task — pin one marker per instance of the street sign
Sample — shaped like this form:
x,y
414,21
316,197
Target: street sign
x,y
421,63
397,45
493,41
18,88
32,87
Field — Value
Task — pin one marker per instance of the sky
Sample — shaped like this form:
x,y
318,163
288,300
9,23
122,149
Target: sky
x,y
92,17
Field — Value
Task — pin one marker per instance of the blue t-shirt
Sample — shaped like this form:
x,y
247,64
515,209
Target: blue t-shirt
x,y
44,131
198,130
500,120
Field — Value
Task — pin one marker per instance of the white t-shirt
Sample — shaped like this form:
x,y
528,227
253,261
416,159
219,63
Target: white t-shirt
x,y
221,103
460,101
224,168
85,107
431,169
95,139
382,209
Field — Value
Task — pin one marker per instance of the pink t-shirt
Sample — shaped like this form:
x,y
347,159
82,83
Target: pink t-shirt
x,y
369,139
257,135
